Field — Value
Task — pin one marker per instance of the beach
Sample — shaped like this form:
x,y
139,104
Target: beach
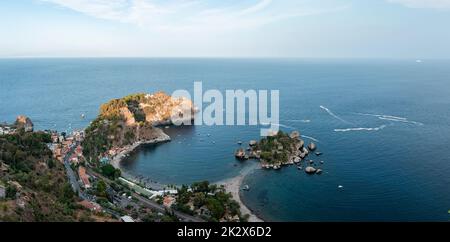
x,y
126,150
234,185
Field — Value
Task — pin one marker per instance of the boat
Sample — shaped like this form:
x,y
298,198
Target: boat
x,y
319,153
246,188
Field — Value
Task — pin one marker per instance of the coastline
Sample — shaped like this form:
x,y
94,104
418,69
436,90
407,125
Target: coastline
x,y
115,162
233,185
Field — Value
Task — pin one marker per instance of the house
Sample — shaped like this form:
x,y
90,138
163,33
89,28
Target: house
x,y
6,130
55,138
168,201
84,177
95,207
79,151
127,219
74,159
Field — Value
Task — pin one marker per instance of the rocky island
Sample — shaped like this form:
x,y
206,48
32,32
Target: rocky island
x,y
281,149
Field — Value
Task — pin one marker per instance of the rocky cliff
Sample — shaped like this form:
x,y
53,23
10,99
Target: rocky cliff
x,y
134,118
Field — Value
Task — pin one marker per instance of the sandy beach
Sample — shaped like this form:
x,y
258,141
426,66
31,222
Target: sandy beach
x,y
233,186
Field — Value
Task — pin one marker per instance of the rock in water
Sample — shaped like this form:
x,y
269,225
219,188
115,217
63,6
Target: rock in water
x,y
310,170
241,155
319,171
301,144
23,122
312,146
252,143
294,135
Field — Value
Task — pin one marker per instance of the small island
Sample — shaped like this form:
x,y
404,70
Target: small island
x,y
281,149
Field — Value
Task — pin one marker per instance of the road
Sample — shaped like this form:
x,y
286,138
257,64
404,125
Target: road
x,y
71,174
152,204
147,202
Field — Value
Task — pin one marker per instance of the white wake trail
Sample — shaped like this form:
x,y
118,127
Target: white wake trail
x,y
401,120
392,118
361,129
334,115
279,125
298,120
311,138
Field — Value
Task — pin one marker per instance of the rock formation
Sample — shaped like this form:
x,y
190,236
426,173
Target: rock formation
x,y
23,122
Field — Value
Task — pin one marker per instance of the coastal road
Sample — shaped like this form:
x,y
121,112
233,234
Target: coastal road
x,y
151,204
71,174
154,205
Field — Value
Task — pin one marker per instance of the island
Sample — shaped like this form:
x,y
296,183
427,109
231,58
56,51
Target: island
x,y
281,149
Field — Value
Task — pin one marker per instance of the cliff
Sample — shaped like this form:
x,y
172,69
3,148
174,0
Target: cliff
x,y
132,119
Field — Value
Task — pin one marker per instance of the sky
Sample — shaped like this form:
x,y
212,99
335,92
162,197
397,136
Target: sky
x,y
416,29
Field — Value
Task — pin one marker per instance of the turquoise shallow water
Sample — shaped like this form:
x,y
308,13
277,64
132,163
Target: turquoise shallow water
x,y
391,168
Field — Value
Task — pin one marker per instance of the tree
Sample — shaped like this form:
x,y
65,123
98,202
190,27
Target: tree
x,y
11,192
216,208
110,172
199,199
101,189
200,186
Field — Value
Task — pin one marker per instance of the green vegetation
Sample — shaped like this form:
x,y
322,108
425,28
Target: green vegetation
x,y
35,181
109,127
110,172
276,149
208,201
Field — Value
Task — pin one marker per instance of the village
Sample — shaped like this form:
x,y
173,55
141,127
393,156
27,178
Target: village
x,y
120,199
103,190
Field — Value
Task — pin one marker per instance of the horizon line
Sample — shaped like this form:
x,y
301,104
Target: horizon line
x,y
218,57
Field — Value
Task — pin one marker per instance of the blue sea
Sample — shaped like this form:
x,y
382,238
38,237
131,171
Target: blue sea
x,y
383,127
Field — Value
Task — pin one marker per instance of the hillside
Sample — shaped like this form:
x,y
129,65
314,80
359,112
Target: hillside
x,y
130,119
33,184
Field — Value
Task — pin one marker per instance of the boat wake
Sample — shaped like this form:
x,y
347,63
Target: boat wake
x,y
299,120
392,118
334,115
311,138
361,129
279,125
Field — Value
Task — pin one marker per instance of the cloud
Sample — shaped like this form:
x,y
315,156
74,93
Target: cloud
x,y
191,15
435,4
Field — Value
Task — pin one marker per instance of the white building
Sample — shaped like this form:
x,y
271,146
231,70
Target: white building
x,y
127,219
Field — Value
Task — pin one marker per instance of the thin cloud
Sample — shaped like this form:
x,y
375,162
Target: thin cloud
x,y
182,15
434,4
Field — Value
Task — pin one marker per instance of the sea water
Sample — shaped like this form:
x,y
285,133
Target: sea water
x,y
383,127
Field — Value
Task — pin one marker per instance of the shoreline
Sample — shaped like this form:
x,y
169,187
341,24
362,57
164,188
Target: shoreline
x,y
233,185
115,162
